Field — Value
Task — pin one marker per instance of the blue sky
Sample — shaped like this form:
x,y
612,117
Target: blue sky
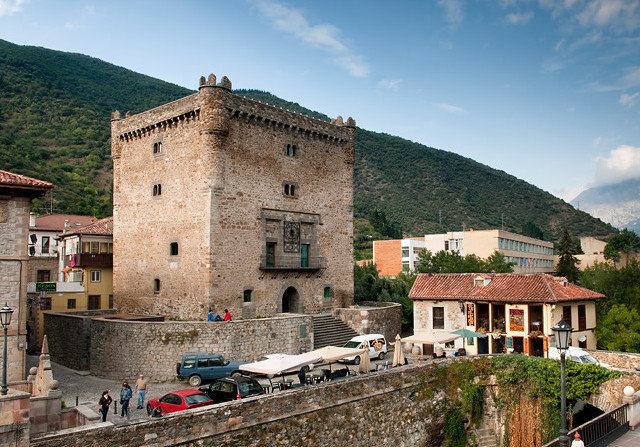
x,y
548,91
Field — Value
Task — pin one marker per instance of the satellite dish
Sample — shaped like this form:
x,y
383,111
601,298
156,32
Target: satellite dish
x,y
33,238
582,338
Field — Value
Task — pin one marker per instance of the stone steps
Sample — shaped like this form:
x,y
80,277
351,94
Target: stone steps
x,y
330,331
486,437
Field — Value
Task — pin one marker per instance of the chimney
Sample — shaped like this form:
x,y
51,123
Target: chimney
x,y
32,219
66,223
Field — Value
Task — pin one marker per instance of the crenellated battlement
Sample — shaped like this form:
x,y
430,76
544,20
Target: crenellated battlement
x,y
211,82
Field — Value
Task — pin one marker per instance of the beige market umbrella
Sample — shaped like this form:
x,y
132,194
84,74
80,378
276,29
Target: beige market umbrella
x,y
365,361
330,354
398,355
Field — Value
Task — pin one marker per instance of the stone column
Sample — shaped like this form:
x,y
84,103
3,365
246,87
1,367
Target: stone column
x,y
633,401
14,419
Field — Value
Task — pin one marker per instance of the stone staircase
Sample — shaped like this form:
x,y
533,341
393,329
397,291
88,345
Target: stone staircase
x,y
330,331
486,437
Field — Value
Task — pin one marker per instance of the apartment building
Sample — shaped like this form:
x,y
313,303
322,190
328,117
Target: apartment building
x,y
529,255
397,255
85,280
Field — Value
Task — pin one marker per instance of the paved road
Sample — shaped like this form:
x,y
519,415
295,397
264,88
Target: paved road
x,y
630,439
88,389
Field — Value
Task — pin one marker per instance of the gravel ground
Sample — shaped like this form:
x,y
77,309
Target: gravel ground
x,y
87,389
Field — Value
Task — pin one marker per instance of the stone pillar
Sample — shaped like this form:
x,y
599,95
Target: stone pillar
x,y
633,401
14,419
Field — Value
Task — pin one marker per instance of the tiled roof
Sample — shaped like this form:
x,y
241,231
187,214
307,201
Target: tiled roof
x,y
55,222
102,226
10,179
507,287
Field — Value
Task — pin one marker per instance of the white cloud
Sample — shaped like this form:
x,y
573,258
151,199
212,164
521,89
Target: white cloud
x,y
629,100
452,11
616,13
8,7
623,163
519,18
324,36
450,108
391,84
630,78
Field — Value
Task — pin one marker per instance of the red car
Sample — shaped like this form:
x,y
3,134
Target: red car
x,y
179,400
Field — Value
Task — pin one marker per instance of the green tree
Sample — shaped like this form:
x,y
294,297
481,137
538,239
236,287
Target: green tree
x,y
380,223
621,286
625,242
568,263
454,262
619,330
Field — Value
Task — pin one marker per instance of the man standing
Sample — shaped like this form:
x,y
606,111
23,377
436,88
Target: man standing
x,y
142,385
125,397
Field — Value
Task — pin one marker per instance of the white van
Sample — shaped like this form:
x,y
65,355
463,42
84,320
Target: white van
x,y
575,354
377,346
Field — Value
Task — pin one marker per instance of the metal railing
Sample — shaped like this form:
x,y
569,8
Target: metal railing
x,y
601,431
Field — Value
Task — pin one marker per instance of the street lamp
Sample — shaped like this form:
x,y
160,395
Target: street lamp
x,y
5,321
562,333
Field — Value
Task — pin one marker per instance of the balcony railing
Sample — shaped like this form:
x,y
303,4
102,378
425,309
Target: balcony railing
x,y
89,260
601,431
293,262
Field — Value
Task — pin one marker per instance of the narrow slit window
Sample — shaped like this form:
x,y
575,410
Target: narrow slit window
x,y
174,248
156,286
247,296
157,190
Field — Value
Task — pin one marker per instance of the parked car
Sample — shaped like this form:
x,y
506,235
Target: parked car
x,y
376,343
232,388
179,400
199,366
577,355
305,369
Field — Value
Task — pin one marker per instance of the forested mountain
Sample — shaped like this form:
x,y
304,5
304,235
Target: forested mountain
x,y
55,122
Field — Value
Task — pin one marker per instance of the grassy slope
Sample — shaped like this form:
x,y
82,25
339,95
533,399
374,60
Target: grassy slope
x,y
54,125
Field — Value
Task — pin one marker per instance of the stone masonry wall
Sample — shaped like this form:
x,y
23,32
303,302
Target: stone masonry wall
x,y
123,349
69,337
381,408
372,317
14,230
624,360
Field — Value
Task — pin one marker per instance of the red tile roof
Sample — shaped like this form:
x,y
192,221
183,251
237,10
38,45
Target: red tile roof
x,y
102,226
506,287
55,222
10,179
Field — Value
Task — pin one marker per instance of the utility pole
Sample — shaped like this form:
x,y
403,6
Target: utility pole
x,y
502,221
440,219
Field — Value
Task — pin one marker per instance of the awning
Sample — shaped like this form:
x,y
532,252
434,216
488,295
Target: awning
x,y
429,339
280,365
330,354
468,334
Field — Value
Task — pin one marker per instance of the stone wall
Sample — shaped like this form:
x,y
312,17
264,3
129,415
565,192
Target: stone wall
x,y
14,419
119,348
382,408
69,336
14,230
624,360
371,317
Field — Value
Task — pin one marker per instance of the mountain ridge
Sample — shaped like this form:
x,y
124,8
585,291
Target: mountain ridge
x,y
54,125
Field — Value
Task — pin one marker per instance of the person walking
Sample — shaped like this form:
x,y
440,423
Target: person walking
x,y
125,397
227,315
104,403
142,386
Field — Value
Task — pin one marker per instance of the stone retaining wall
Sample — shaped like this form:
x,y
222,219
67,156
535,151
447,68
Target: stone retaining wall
x,y
381,408
381,318
69,337
624,360
120,348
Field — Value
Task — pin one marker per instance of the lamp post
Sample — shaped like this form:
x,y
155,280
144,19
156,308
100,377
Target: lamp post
x,y
5,321
562,333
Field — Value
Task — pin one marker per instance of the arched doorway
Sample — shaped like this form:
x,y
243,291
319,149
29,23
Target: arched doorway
x,y
291,301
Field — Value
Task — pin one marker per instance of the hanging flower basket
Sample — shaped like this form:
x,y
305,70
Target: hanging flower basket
x,y
535,334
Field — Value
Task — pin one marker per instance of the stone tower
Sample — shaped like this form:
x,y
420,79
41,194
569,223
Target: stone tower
x,y
227,203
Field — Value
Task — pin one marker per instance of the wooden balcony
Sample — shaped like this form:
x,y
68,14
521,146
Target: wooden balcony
x,y
89,260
